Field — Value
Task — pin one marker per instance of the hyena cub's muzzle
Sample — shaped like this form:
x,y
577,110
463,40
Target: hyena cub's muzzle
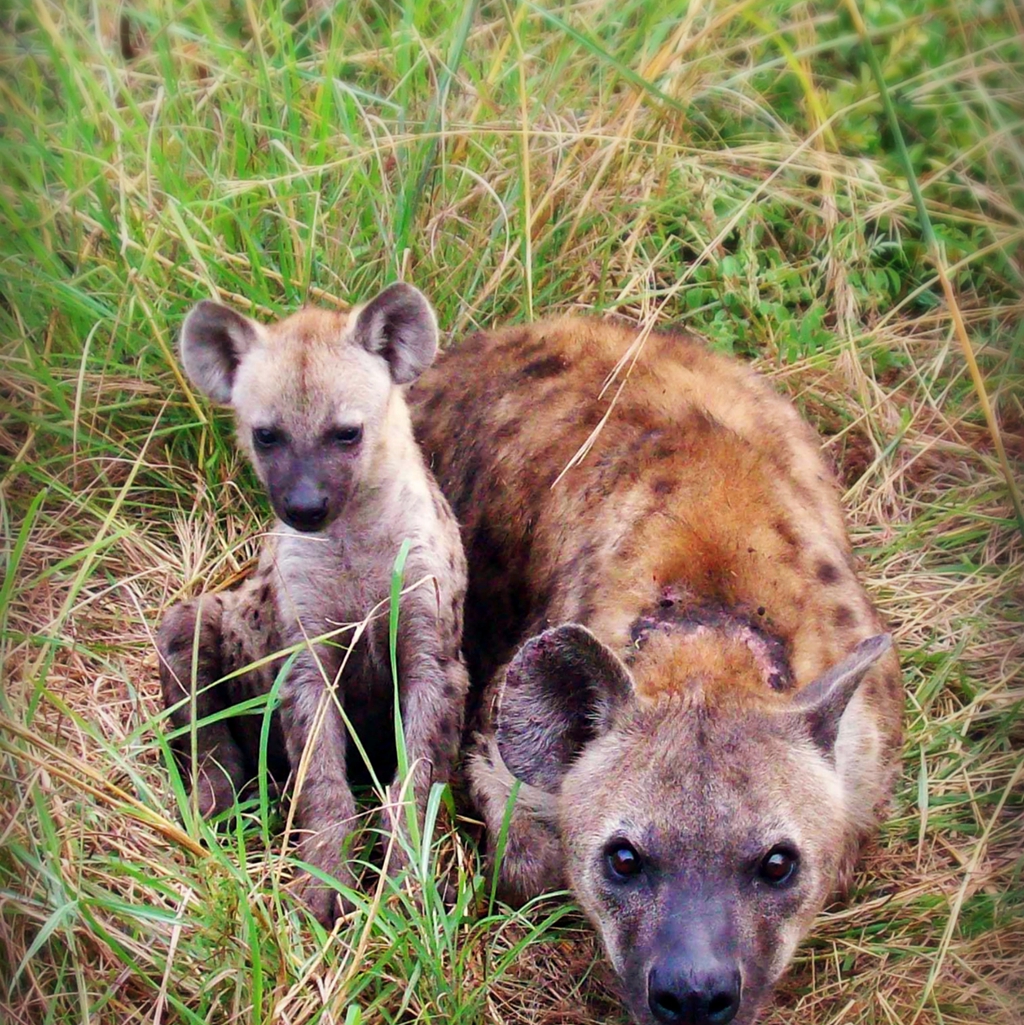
x,y
303,503
306,506
308,483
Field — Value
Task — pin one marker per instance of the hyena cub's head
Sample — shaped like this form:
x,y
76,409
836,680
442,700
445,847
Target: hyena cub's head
x,y
314,395
700,839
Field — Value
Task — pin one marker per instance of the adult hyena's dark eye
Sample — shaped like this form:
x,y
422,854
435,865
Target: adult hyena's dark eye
x,y
347,435
623,860
267,437
778,867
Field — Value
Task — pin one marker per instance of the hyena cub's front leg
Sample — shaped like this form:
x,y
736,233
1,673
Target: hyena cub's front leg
x,y
200,642
433,698
325,808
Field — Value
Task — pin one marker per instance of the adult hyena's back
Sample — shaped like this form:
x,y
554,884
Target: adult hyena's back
x,y
701,480
697,462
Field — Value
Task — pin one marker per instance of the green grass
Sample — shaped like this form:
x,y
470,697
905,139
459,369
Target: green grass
x,y
731,168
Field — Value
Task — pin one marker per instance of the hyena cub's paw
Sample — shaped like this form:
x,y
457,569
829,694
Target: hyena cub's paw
x,y
214,791
394,820
396,842
323,900
325,852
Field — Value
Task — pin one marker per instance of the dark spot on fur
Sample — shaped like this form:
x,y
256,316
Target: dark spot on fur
x,y
648,436
625,548
178,644
843,616
827,572
663,451
265,594
433,404
449,690
546,366
533,349
663,486
470,476
512,340
808,499
894,685
509,429
760,610
785,531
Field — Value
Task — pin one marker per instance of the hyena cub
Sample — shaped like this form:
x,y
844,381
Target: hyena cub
x,y
687,679
321,414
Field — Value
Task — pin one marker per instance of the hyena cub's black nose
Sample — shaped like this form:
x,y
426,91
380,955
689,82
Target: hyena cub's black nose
x,y
305,512
686,998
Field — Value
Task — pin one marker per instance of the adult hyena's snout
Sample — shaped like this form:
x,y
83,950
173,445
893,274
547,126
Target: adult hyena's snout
x,y
694,976
681,992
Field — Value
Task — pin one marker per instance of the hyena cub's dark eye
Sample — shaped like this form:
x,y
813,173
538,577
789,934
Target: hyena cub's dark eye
x,y
347,435
267,437
778,867
623,860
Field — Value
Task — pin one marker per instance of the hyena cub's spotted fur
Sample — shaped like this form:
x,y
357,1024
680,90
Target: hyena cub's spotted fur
x,y
321,414
686,676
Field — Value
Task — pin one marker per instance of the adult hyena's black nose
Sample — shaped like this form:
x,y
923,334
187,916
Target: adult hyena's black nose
x,y
685,995
305,509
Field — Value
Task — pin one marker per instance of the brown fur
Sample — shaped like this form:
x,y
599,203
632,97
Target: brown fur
x,y
701,542
306,379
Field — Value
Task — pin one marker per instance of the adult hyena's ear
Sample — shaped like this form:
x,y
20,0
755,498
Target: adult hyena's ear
x,y
400,326
823,702
561,691
213,341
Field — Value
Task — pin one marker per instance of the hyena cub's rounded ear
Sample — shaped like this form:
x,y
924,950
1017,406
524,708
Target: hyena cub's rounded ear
x,y
823,702
213,341
561,691
399,325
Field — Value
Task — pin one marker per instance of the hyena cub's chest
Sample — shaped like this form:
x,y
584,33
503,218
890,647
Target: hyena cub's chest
x,y
348,606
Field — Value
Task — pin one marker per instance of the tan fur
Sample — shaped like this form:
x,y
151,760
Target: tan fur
x,y
703,522
305,379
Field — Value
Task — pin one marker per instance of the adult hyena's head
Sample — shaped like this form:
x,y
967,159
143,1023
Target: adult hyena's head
x,y
700,836
315,395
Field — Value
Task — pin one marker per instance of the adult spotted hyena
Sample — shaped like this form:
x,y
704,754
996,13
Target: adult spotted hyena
x,y
321,414
685,675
